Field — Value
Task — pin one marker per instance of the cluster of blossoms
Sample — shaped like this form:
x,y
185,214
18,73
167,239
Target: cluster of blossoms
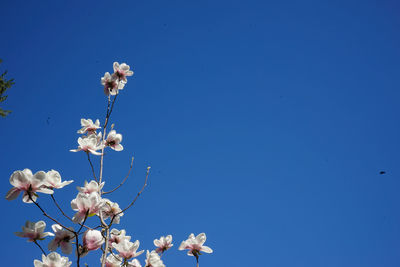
x,y
116,81
93,141
31,184
117,248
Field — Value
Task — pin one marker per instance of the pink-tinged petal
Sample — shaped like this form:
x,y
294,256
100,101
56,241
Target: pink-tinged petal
x,y
65,183
39,176
94,152
66,247
118,138
118,147
20,234
27,172
74,204
52,245
38,263
45,190
139,253
78,217
206,249
75,150
13,193
182,246
20,178
115,66
201,238
121,85
40,226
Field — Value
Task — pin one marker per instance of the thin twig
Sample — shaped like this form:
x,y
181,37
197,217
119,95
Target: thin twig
x,y
91,165
37,244
108,106
77,239
77,250
112,106
134,200
140,192
126,177
83,223
48,216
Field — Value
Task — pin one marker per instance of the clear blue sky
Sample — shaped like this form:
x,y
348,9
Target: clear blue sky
x,y
266,123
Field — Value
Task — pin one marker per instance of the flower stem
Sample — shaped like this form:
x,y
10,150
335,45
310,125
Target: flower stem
x,y
91,165
37,244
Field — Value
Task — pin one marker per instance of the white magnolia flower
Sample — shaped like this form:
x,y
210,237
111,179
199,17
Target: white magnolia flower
x,y
53,180
89,144
153,259
34,231
62,239
134,263
111,84
93,186
117,236
113,140
127,249
163,243
195,245
89,126
86,204
113,261
25,181
122,71
110,209
92,240
52,260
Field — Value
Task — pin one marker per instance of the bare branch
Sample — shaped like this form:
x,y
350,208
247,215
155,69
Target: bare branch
x,y
103,257
126,177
